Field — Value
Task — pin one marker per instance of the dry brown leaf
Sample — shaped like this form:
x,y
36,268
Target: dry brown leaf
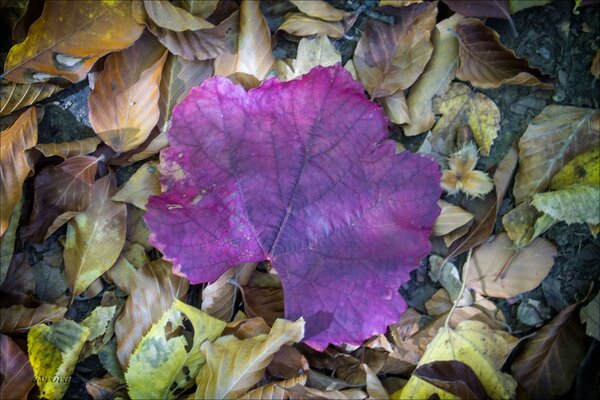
x,y
253,55
219,297
436,77
549,362
320,9
552,139
105,388
498,269
66,41
173,18
486,63
275,390
595,69
451,218
374,387
265,302
14,165
16,371
19,318
58,190
287,363
200,8
124,271
389,58
154,290
303,392
14,96
95,237
124,102
396,108
145,182
300,24
66,150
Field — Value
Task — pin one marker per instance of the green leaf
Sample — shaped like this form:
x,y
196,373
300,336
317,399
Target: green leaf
x,y
101,326
576,203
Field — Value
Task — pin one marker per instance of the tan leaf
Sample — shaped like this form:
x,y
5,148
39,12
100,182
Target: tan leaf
x,y
396,108
143,183
300,24
435,78
66,150
7,241
486,63
374,387
155,288
233,366
320,9
14,96
573,204
15,369
67,41
265,302
219,297
303,392
275,390
200,8
173,18
19,318
595,70
60,189
549,362
497,269
95,237
552,139
389,58
451,218
287,362
14,165
311,53
155,143
253,55
124,102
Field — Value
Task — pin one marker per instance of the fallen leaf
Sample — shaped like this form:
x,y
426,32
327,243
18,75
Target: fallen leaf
x,y
396,108
21,135
265,302
142,184
573,204
53,352
447,275
374,387
202,8
320,9
497,269
589,315
549,362
451,218
517,5
7,241
124,271
233,366
137,231
302,392
275,390
253,55
552,139
95,237
454,377
287,363
480,8
163,363
60,189
101,326
247,328
67,41
19,277
524,223
389,58
14,96
303,229
595,69
17,375
300,24
19,318
460,106
124,102
583,169
171,17
103,388
436,77
154,291
66,150
318,51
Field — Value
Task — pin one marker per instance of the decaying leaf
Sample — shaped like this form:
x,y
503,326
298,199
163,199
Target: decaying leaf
x,y
66,41
486,63
436,77
498,269
142,184
14,96
389,58
275,390
163,363
548,364
53,352
590,316
14,165
100,323
66,150
524,223
300,24
324,253
461,106
583,169
7,241
451,218
573,204
17,375
552,139
233,366
124,101
318,51
95,237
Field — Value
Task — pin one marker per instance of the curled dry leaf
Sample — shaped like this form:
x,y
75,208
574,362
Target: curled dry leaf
x,y
67,41
145,182
95,237
153,293
497,269
300,24
219,297
16,371
14,96
374,387
58,190
451,218
549,362
66,150
552,139
436,77
320,9
486,63
275,390
124,101
14,164
389,58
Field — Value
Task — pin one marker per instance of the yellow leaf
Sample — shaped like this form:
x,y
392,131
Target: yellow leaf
x,y
145,182
53,353
573,204
233,366
472,343
584,169
162,364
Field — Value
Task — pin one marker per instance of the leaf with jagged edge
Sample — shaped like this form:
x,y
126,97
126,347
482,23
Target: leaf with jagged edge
x,y
233,366
162,364
573,204
53,353
14,96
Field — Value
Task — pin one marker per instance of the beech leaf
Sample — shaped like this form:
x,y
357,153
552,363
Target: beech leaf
x,y
14,96
320,9
17,375
19,318
300,24
318,51
573,204
142,184
297,173
275,390
66,150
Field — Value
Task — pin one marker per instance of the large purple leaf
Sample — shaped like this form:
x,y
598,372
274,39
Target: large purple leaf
x,y
299,174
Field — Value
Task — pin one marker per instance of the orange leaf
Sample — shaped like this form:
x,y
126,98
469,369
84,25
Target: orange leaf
x,y
124,102
68,39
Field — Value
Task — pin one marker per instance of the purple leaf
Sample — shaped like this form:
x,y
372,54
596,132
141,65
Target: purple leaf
x,y
299,174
